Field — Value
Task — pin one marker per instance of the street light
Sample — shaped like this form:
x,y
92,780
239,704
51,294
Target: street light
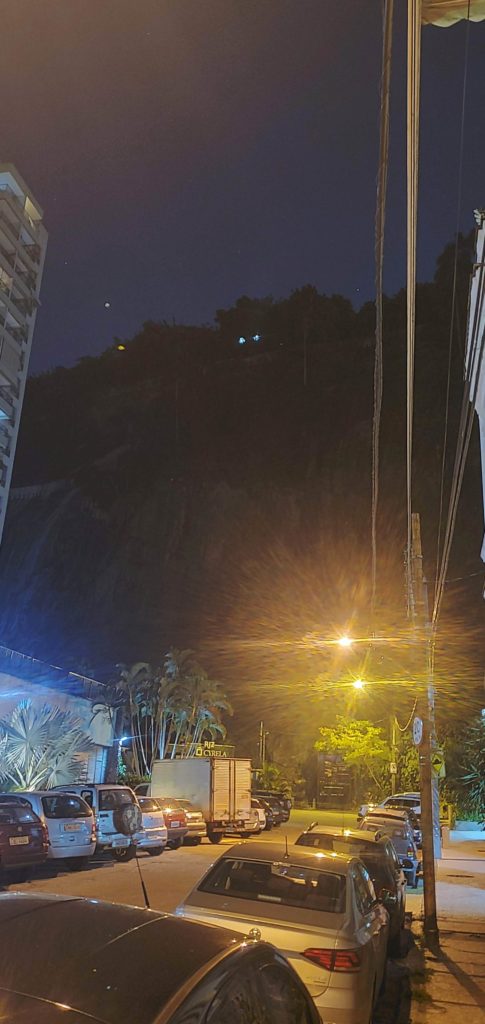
x,y
358,684
345,641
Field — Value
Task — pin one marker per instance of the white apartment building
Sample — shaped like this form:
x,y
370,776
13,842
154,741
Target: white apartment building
x,y
23,242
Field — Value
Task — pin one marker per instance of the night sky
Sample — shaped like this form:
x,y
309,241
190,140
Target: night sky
x,y
187,152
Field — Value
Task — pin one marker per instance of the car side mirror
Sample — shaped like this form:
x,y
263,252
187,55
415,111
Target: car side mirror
x,y
388,898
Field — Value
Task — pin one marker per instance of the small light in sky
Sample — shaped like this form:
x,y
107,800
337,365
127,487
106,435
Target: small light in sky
x,y
121,348
242,341
256,337
107,305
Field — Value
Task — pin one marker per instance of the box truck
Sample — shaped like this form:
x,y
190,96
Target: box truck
x,y
219,786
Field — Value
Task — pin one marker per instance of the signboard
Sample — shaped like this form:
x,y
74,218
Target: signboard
x,y
209,749
438,763
393,768
417,731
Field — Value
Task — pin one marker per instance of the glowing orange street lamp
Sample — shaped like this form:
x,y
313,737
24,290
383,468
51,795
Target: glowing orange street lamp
x,y
345,641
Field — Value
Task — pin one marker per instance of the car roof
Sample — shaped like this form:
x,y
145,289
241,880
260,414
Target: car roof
x,y
300,855
347,833
99,975
391,812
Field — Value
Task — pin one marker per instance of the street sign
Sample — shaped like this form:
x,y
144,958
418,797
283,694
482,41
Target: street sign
x,y
393,768
417,731
438,763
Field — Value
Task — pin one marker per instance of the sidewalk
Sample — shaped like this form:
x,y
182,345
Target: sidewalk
x,y
449,987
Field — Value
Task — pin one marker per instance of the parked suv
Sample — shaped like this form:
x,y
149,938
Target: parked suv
x,y
23,837
401,836
117,816
277,794
70,824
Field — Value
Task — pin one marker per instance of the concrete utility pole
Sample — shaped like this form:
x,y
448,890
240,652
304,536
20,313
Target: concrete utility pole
x,y
428,779
393,724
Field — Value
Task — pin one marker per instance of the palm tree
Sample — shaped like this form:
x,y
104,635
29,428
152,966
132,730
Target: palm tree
x,y
39,748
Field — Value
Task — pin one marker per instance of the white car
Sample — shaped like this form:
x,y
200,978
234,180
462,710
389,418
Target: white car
x,y
319,909
196,826
154,835
116,813
70,823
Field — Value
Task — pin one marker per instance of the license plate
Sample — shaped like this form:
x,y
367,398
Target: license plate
x,y
19,840
72,826
120,842
174,824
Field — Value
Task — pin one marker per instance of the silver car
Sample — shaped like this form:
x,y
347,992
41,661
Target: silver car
x,y
116,813
70,823
401,834
196,826
319,909
153,836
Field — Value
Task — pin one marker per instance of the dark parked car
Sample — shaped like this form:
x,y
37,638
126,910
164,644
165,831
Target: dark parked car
x,y
275,794
23,837
379,857
280,813
401,834
175,820
136,966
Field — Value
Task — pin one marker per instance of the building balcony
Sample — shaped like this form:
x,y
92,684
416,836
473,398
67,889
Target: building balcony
x,y
6,405
17,206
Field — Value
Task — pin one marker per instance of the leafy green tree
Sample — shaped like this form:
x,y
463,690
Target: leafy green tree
x,y
361,745
39,747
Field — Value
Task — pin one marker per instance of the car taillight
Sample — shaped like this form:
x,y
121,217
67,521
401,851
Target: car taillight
x,y
410,852
335,959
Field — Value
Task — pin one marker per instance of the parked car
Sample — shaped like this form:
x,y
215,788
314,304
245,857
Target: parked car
x,y
404,801
136,965
414,819
117,815
279,813
275,794
23,837
379,857
270,814
196,826
70,825
258,806
400,832
319,909
153,835
175,820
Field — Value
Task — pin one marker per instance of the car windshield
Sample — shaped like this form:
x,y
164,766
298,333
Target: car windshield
x,y
110,799
65,805
186,804
147,804
12,814
288,884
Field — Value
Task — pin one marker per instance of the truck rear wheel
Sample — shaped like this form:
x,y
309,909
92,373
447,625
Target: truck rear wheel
x,y
215,837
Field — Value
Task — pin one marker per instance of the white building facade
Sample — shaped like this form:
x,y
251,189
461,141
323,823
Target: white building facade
x,y
23,243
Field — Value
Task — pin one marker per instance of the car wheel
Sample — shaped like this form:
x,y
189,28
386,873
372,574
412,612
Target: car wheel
x,y
76,863
268,826
155,851
124,853
175,844
215,837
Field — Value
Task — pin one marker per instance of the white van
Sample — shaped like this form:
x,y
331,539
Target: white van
x,y
70,823
117,815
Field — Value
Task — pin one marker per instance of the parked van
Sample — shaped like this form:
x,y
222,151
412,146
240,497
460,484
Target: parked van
x,y
70,824
117,815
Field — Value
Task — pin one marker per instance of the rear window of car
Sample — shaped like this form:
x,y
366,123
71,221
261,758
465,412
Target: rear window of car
x,y
349,847
65,805
288,884
110,799
12,814
147,804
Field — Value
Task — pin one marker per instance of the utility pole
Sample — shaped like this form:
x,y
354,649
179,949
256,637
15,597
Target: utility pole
x,y
428,780
393,754
262,746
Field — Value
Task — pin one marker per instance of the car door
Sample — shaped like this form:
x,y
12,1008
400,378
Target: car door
x,y
400,877
374,924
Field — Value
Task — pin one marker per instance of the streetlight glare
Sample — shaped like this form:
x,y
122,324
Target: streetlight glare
x,y
358,684
344,641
